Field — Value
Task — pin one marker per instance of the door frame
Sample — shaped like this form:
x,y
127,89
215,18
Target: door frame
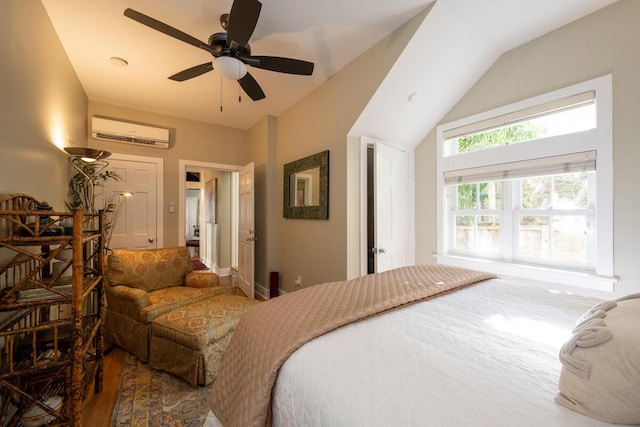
x,y
366,142
246,237
183,164
159,162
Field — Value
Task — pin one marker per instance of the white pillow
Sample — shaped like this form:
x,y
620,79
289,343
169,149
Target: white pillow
x,y
600,375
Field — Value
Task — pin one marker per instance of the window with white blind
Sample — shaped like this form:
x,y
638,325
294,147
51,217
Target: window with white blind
x,y
526,189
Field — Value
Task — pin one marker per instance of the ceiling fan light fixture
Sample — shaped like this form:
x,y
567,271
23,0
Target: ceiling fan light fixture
x,y
231,68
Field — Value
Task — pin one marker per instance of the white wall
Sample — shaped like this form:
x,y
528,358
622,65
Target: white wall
x,y
604,42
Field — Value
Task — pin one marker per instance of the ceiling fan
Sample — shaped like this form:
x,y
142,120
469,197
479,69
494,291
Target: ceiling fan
x,y
231,49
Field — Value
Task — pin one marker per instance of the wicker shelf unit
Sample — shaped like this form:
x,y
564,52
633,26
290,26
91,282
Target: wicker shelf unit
x,y
51,311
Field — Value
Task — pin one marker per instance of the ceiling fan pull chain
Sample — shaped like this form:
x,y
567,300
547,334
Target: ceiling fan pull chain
x,y
239,92
221,93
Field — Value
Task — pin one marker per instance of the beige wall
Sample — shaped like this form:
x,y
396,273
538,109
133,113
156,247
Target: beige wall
x,y
190,140
262,151
319,251
43,101
41,104
322,250
601,43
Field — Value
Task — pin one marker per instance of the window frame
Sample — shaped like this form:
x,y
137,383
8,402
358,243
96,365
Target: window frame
x,y
598,140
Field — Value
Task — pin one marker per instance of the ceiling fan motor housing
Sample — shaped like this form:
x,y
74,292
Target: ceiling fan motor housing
x,y
224,20
218,42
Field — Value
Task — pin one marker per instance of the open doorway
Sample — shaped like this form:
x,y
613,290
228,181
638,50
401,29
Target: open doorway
x,y
192,220
207,219
371,225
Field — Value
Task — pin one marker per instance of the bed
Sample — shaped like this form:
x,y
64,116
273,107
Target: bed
x,y
481,354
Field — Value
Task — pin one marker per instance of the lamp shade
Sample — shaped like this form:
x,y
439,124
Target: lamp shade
x,y
231,68
87,154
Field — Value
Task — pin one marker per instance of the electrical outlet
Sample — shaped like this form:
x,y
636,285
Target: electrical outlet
x,y
298,281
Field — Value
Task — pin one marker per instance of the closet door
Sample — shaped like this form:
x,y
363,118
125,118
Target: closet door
x,y
391,181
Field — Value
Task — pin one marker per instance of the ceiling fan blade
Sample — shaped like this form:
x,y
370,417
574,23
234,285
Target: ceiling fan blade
x,y
281,65
251,87
192,72
242,21
166,29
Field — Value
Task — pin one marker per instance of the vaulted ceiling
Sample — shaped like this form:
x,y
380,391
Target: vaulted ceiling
x,y
456,43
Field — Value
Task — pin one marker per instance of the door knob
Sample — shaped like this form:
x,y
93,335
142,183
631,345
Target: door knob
x,y
151,240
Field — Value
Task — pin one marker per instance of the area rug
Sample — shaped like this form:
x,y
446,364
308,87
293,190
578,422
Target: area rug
x,y
150,398
198,265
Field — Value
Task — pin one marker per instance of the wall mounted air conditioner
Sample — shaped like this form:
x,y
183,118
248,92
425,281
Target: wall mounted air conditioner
x,y
131,133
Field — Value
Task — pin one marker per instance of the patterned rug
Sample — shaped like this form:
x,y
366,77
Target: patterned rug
x,y
197,265
151,398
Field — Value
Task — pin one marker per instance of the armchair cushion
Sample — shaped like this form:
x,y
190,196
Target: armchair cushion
x,y
149,269
168,299
201,279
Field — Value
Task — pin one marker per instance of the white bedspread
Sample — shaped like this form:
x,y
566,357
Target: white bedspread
x,y
483,356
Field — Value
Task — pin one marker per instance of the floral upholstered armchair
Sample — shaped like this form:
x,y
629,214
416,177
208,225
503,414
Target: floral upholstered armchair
x,y
143,284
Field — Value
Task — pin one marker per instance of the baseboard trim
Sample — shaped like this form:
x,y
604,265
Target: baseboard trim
x,y
219,271
261,290
223,271
264,291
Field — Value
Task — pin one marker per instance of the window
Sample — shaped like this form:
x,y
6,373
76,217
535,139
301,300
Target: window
x,y
559,117
526,189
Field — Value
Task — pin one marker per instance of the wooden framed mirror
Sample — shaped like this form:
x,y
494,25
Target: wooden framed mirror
x,y
306,187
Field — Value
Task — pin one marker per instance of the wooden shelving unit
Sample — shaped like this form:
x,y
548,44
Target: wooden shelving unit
x,y
51,311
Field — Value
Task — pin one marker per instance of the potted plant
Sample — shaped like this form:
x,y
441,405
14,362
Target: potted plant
x,y
82,187
82,191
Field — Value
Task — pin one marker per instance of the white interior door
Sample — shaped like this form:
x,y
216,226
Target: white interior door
x,y
391,181
137,220
246,230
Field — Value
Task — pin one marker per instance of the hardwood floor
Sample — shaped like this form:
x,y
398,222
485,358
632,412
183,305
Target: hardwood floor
x,y
98,408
